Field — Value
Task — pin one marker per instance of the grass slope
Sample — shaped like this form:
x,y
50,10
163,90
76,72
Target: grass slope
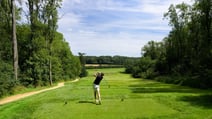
x,y
124,98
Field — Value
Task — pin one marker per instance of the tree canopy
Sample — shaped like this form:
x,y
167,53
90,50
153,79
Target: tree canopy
x,y
44,55
185,54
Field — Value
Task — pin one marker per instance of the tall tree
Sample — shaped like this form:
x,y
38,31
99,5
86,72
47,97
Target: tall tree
x,y
14,39
5,31
43,24
50,17
177,40
83,62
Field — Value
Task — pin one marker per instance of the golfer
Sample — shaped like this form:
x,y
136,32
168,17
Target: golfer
x,y
96,87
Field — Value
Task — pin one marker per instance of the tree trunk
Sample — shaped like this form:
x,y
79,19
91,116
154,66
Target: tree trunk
x,y
14,40
50,70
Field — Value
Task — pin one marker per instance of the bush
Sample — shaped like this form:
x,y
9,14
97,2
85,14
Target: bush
x,y
84,72
7,82
171,79
147,67
202,79
148,74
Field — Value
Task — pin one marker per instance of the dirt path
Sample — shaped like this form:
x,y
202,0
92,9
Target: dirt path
x,y
20,96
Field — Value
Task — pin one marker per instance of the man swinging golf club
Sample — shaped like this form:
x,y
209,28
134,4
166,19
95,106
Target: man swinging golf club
x,y
99,77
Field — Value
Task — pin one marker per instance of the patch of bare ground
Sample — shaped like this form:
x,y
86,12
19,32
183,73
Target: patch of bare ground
x,y
20,96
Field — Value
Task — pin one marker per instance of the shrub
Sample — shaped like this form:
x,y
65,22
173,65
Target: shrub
x,y
7,82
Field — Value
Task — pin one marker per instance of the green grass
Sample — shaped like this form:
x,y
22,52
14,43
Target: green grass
x,y
125,98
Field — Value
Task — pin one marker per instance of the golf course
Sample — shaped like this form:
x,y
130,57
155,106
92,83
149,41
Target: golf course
x,y
123,97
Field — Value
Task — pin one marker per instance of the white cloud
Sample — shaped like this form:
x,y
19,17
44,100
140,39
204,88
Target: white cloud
x,y
69,20
158,7
113,27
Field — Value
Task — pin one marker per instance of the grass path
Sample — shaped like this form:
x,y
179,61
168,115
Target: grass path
x,y
125,98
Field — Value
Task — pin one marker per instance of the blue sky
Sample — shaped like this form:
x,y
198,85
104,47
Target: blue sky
x,y
113,27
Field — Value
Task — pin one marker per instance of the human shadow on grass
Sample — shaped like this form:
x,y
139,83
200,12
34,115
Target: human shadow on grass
x,y
85,101
201,100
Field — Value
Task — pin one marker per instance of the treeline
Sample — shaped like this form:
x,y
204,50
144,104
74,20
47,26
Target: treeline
x,y
109,61
184,56
113,60
43,55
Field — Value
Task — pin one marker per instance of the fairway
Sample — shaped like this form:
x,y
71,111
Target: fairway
x,y
123,97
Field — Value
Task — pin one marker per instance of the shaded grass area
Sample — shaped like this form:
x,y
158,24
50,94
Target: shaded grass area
x,y
156,87
125,98
195,97
203,101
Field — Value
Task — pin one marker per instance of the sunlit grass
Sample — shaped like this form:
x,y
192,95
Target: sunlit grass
x,y
123,97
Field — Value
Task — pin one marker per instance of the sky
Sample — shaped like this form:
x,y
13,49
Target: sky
x,y
113,27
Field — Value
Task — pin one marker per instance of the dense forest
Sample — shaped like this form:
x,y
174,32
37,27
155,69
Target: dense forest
x,y
32,52
184,56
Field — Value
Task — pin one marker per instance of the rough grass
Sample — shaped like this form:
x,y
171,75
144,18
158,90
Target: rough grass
x,y
123,97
